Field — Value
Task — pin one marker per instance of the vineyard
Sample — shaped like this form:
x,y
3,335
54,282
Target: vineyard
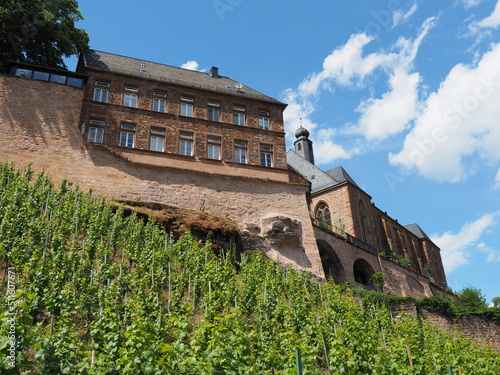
x,y
88,290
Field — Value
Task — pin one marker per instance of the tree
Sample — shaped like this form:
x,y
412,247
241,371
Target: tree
x,y
496,302
40,32
471,300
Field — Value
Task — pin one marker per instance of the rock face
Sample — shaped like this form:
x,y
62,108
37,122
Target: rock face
x,y
282,232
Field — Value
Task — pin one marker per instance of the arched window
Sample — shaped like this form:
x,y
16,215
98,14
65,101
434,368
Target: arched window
x,y
323,215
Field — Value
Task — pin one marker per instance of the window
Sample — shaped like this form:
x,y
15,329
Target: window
x,y
323,216
57,78
264,120
239,116
75,82
101,94
213,148
157,140
23,72
129,99
240,152
96,131
213,112
127,136
159,105
266,156
41,75
186,106
186,144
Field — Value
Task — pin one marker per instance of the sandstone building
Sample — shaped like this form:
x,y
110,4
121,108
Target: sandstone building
x,y
134,129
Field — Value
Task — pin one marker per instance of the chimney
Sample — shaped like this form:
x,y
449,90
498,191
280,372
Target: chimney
x,y
214,72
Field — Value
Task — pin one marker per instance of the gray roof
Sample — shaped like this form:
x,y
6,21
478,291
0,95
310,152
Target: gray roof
x,y
417,231
319,180
99,60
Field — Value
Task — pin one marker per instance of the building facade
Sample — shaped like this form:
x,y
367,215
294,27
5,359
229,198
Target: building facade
x,y
133,129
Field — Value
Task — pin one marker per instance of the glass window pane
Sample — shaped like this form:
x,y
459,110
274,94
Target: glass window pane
x,y
130,100
41,76
75,82
264,123
126,139
186,109
156,143
23,72
96,135
185,147
58,78
213,152
159,105
240,156
100,95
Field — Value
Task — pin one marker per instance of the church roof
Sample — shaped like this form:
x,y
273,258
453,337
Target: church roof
x,y
319,180
417,231
159,72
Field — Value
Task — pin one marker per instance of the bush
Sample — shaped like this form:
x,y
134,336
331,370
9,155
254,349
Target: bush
x,y
442,305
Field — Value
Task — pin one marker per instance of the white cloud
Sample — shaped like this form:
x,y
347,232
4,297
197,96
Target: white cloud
x,y
400,17
456,248
390,114
459,123
470,3
345,66
191,65
493,20
493,256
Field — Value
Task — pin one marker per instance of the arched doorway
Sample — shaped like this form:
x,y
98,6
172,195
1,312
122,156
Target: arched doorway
x,y
332,266
363,272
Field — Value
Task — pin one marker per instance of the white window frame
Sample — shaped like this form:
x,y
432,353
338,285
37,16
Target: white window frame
x,y
130,100
264,123
156,138
101,95
240,152
159,105
128,131
186,144
213,108
213,148
266,155
95,135
239,117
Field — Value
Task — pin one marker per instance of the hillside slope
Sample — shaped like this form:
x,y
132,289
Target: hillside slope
x,y
87,290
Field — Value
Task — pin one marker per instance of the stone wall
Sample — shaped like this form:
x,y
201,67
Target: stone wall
x,y
39,125
476,327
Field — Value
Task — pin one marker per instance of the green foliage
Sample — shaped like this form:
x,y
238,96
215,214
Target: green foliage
x,y
40,32
442,305
496,302
377,280
471,301
97,293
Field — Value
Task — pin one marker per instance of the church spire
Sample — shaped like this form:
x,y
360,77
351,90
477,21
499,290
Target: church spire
x,y
303,145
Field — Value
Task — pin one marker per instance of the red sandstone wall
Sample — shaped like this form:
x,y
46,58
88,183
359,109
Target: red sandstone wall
x,y
39,124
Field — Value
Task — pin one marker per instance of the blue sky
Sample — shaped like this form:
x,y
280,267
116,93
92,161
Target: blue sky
x,y
405,95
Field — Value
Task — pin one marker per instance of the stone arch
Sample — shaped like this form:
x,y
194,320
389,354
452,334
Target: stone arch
x,y
322,214
332,266
363,271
